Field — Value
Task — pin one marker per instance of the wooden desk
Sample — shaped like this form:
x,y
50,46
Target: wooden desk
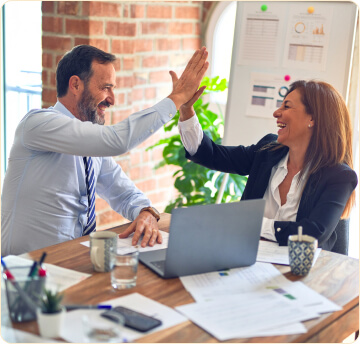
x,y
335,276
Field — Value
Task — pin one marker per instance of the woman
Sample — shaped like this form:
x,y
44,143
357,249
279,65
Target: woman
x,y
304,173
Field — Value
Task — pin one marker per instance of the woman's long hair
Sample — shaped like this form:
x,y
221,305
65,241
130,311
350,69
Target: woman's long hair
x,y
331,141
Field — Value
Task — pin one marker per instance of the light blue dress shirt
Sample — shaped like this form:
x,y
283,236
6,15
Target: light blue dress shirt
x,y
44,199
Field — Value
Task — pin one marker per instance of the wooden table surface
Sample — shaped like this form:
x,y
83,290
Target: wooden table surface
x,y
335,276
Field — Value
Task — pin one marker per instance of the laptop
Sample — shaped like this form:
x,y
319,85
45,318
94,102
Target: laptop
x,y
208,238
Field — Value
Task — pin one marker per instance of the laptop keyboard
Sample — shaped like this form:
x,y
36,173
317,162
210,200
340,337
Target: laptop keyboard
x,y
160,264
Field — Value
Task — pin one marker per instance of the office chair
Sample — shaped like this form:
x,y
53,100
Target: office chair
x,y
342,242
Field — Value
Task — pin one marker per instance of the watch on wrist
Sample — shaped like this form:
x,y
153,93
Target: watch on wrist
x,y
152,211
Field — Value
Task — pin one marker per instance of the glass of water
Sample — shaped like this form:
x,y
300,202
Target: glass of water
x,y
124,272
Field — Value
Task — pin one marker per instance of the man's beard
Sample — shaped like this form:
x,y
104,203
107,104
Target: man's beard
x,y
87,108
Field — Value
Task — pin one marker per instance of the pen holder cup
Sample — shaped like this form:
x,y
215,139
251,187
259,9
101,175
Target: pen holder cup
x,y
23,294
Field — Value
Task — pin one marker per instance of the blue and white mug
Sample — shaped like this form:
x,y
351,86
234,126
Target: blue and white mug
x,y
301,253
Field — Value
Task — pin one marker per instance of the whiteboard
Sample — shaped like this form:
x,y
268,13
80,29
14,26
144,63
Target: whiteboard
x,y
284,41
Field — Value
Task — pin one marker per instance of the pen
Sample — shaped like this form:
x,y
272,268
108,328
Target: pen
x,y
71,307
33,270
42,258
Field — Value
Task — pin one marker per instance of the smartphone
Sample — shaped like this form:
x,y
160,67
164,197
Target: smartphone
x,y
133,319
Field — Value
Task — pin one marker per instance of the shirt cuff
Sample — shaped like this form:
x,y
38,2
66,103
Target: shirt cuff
x,y
191,134
166,109
267,229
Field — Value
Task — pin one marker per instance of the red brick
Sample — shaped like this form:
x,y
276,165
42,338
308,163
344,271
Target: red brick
x,y
47,60
77,26
100,43
53,79
44,78
137,11
47,6
177,28
120,99
154,61
166,182
147,185
124,82
49,95
120,29
141,172
56,43
120,115
122,46
137,94
153,28
197,30
101,204
128,63
135,158
117,65
52,24
102,9
82,40
140,78
126,10
142,45
108,217
168,44
159,76
159,197
150,93
187,12
68,7
191,43
163,12
96,28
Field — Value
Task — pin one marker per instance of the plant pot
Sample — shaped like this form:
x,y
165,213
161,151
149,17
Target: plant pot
x,y
50,324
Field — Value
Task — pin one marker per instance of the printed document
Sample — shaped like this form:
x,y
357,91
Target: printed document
x,y
125,246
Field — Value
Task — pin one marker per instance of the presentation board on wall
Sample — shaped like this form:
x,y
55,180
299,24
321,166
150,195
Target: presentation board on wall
x,y
276,43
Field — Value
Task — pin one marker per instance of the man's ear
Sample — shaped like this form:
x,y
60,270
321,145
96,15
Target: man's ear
x,y
75,85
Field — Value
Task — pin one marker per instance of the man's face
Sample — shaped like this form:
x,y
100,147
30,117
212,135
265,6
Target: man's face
x,y
97,94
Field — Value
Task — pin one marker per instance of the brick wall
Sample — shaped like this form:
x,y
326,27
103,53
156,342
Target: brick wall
x,y
149,38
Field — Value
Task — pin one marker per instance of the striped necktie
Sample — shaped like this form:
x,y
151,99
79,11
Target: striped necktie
x,y
90,186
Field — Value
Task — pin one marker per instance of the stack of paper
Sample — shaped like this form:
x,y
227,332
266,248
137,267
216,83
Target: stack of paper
x,y
252,301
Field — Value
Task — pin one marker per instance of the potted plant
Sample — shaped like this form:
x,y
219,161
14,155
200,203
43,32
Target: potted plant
x,y
50,315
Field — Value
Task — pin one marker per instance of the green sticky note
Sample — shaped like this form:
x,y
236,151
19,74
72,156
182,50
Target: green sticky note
x,y
264,8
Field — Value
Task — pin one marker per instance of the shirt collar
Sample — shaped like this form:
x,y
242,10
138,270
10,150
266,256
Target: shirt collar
x,y
283,164
61,108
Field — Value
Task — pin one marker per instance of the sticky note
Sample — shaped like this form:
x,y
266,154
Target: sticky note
x,y
311,9
264,8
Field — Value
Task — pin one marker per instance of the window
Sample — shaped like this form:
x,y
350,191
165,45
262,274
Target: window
x,y
22,67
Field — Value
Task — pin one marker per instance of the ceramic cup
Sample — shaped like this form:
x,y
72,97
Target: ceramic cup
x,y
102,244
301,253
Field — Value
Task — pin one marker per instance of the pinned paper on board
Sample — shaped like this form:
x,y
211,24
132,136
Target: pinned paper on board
x,y
260,35
307,39
267,92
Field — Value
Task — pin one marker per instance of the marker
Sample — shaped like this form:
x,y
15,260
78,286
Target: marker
x,y
33,270
43,256
71,307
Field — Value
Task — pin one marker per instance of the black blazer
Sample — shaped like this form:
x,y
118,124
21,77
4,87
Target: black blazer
x,y
323,200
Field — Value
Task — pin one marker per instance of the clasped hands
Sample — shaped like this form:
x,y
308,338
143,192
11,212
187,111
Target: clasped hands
x,y
184,94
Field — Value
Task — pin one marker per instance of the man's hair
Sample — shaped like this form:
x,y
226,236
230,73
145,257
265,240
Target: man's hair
x,y
78,62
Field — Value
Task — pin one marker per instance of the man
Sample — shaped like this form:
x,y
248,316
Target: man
x,y
62,154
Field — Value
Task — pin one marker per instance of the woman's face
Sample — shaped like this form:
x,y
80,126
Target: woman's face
x,y
293,121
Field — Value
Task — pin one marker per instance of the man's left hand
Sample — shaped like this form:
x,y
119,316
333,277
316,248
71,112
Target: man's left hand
x,y
145,224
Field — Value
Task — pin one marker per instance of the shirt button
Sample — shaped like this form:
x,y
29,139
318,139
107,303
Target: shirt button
x,y
279,229
170,114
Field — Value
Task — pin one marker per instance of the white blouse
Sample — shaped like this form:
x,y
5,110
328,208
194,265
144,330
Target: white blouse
x,y
191,136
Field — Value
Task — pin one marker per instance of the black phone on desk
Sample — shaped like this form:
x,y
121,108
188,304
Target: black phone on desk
x,y
133,319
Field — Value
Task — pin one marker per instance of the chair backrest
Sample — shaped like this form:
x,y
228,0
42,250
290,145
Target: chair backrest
x,y
342,241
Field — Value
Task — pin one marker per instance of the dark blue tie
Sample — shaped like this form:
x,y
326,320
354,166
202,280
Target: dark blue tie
x,y
90,186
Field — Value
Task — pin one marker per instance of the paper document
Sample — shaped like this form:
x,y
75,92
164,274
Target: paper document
x,y
12,335
72,326
58,279
243,315
239,280
271,252
124,246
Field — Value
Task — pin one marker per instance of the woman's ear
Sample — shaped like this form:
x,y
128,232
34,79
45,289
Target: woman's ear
x,y
75,85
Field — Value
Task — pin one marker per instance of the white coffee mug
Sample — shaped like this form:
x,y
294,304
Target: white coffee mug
x,y
102,244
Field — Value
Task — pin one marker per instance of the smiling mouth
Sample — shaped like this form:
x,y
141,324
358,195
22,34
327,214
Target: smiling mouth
x,y
281,125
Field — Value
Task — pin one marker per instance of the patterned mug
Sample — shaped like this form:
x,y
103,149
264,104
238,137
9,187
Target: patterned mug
x,y
102,245
301,253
